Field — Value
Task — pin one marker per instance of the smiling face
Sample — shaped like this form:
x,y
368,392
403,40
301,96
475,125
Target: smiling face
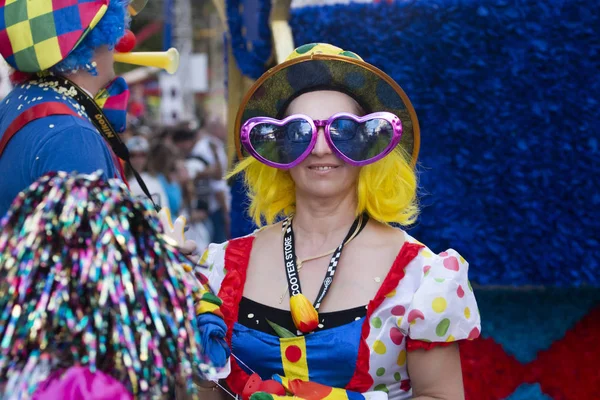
x,y
322,174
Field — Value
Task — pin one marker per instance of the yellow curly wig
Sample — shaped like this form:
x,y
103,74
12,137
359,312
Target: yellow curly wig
x,y
386,190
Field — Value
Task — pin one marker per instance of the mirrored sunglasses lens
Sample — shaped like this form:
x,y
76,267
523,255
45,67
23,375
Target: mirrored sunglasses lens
x,y
281,144
361,141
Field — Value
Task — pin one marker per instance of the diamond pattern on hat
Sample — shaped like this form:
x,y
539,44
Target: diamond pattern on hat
x,y
37,34
5,46
58,4
35,8
20,36
41,50
68,41
15,12
49,31
70,20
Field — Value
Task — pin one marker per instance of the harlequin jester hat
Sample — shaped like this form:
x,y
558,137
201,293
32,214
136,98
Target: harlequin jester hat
x,y
321,66
35,35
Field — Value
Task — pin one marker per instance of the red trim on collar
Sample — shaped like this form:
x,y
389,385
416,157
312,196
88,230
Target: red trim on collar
x,y
237,257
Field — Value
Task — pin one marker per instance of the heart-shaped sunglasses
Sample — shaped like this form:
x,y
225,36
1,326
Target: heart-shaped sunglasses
x,y
355,140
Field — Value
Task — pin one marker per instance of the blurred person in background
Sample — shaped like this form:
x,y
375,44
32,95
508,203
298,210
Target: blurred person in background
x,y
138,152
168,181
165,165
206,163
137,105
217,136
212,149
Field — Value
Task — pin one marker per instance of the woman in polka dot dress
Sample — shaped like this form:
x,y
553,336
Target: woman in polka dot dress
x,y
329,143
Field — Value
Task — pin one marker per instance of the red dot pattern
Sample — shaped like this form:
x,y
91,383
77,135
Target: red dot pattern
x,y
398,311
293,354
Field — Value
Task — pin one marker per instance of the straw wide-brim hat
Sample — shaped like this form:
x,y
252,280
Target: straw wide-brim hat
x,y
321,66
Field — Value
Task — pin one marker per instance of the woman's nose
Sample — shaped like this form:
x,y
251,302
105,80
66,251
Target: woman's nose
x,y
321,147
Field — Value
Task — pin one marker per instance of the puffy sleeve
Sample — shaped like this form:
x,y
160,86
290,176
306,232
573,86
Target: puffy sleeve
x,y
209,317
213,262
443,308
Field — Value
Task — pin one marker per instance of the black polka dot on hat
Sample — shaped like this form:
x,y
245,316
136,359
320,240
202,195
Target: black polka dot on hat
x,y
312,74
355,80
388,96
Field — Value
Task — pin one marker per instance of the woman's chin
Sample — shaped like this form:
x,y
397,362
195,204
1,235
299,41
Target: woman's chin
x,y
324,183
323,190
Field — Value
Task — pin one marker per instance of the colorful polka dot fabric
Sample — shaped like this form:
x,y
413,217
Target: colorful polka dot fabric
x,y
37,34
431,304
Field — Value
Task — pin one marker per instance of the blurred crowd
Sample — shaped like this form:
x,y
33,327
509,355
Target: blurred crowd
x,y
183,168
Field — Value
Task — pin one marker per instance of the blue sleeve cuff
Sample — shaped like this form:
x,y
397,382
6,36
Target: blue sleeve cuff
x,y
212,339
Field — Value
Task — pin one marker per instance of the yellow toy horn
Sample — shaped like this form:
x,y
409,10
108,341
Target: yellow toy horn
x,y
167,60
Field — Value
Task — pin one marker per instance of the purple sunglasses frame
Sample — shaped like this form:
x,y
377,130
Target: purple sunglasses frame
x,y
393,119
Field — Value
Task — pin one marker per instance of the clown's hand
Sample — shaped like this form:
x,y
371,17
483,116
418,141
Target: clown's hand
x,y
175,231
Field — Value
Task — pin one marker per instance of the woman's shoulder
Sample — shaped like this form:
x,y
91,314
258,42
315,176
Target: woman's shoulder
x,y
237,251
382,239
264,239
447,262
268,232
263,234
387,232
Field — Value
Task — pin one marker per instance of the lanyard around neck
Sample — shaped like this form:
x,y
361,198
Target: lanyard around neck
x,y
290,260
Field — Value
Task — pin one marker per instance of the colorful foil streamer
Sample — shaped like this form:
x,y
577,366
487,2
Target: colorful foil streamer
x,y
88,278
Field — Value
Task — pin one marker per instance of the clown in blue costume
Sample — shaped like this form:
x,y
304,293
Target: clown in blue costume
x,y
62,50
42,127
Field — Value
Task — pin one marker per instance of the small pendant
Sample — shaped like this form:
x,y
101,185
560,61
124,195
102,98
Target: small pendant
x,y
304,314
